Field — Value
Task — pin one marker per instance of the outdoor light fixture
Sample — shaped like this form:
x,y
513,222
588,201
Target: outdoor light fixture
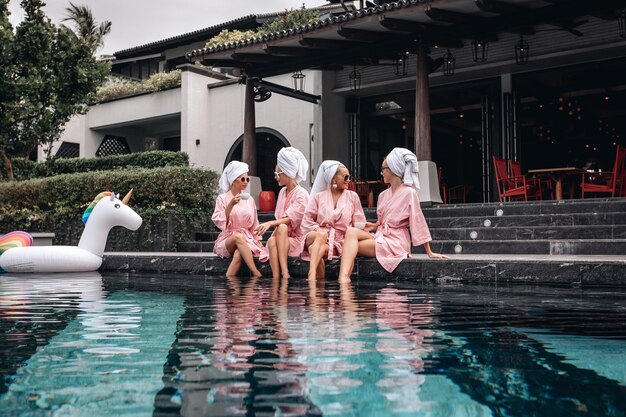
x,y
448,64
621,21
355,80
401,64
479,50
297,80
522,50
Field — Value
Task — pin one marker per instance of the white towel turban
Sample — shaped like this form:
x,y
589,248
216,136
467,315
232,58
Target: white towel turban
x,y
293,163
232,171
403,163
325,174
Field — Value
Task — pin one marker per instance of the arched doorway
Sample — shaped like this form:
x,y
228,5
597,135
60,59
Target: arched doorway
x,y
268,143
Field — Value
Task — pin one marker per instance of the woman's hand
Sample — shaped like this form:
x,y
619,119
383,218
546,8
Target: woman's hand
x,y
263,227
235,200
369,227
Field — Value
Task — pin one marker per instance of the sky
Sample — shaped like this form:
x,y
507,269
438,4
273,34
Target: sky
x,y
138,22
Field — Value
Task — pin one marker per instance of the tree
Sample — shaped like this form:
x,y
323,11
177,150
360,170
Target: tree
x,y
86,27
7,86
52,76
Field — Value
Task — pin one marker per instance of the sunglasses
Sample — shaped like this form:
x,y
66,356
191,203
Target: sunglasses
x,y
244,179
277,174
383,168
347,178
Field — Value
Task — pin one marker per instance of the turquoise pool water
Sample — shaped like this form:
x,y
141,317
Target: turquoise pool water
x,y
92,345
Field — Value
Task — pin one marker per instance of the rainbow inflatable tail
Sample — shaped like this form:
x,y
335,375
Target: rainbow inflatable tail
x,y
15,240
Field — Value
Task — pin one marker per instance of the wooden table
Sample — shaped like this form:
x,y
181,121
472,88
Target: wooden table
x,y
557,175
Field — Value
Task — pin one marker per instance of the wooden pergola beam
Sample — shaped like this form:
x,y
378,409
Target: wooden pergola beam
x,y
360,35
401,25
330,44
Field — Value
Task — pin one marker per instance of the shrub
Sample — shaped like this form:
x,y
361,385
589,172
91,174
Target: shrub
x,y
175,202
229,36
117,87
25,169
291,19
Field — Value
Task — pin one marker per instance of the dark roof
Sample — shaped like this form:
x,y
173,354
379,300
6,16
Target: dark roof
x,y
246,22
369,35
357,14
249,21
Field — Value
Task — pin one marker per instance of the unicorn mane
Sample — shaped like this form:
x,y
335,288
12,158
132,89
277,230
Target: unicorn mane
x,y
95,201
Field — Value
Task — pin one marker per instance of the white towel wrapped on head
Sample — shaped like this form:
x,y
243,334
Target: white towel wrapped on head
x,y
403,163
232,171
293,163
324,176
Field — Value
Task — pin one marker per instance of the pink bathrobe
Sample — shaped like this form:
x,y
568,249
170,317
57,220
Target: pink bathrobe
x,y
242,219
292,205
397,211
335,220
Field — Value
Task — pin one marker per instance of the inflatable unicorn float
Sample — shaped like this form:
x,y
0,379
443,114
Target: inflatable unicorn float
x,y
105,212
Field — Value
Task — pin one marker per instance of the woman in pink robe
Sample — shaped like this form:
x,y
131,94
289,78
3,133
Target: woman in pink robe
x,y
287,239
332,209
235,215
398,208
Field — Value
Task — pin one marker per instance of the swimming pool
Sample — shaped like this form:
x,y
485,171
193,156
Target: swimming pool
x,y
113,345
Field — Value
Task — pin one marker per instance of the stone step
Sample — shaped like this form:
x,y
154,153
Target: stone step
x,y
528,247
575,271
485,247
570,219
612,205
195,246
485,233
529,233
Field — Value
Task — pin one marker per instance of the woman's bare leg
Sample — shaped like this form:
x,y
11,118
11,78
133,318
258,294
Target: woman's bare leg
x,y
274,264
282,246
235,265
238,242
316,243
356,242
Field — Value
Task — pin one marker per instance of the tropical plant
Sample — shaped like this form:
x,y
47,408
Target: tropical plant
x,y
86,27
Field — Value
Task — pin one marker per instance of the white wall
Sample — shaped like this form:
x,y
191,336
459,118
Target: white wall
x,y
128,110
215,116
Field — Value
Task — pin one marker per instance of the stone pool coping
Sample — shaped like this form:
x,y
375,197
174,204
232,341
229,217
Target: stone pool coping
x,y
573,270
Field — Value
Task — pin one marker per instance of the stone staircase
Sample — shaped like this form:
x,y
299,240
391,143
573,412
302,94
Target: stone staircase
x,y
574,227
571,242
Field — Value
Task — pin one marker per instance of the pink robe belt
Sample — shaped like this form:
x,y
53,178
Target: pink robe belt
x,y
384,229
331,243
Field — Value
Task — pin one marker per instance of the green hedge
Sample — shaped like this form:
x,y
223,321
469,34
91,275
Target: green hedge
x,y
174,202
24,169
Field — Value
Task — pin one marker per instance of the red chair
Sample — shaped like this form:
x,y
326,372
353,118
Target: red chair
x,y
516,188
612,182
542,183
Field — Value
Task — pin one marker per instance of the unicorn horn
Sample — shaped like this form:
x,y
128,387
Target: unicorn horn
x,y
127,197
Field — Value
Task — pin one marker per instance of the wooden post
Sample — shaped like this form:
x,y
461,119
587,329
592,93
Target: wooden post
x,y
423,147
248,154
